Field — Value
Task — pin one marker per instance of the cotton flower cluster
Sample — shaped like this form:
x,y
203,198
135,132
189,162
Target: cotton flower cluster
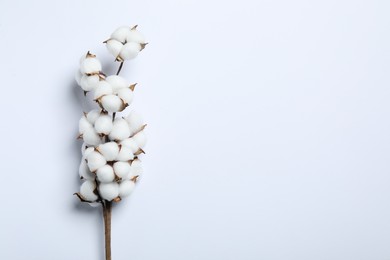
x,y
112,147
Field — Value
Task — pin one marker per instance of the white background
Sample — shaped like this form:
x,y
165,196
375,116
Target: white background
x,y
269,133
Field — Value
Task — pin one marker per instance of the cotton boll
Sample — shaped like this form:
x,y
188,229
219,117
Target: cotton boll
x,y
135,122
109,191
125,154
126,188
122,169
84,125
112,103
114,47
121,33
103,124
95,161
130,50
87,190
116,82
109,150
84,171
89,83
140,139
131,144
78,77
102,88
91,137
87,152
105,174
93,115
135,36
135,169
120,130
90,65
126,94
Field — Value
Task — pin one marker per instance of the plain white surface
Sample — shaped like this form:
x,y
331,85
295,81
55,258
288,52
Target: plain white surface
x,y
269,133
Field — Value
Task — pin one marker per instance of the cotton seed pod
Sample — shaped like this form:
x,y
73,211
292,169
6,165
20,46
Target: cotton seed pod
x,y
87,190
87,152
109,150
88,83
91,137
135,36
84,171
103,124
117,82
120,130
84,124
109,191
140,139
112,103
135,122
90,65
126,94
95,161
135,169
131,144
130,50
105,174
125,154
126,187
102,88
122,169
93,115
121,33
114,47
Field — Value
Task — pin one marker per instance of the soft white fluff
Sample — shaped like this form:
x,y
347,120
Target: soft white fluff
x,y
90,65
105,174
102,88
131,144
88,83
140,139
84,171
117,82
109,191
130,50
135,169
87,190
93,115
126,94
120,130
122,169
109,150
91,137
95,161
114,47
103,124
135,121
125,154
126,187
112,103
78,77
84,124
135,36
121,33
87,152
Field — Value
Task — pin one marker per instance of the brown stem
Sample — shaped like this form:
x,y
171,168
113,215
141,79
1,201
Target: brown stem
x,y
107,208
120,68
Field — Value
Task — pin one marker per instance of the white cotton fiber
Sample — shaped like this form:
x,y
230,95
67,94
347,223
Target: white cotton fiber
x,y
126,94
126,187
84,171
121,33
95,160
114,47
120,130
109,191
131,144
135,36
90,65
125,154
84,125
130,50
78,77
135,169
91,137
88,83
105,173
87,152
102,88
103,124
140,139
122,169
93,115
109,150
117,82
112,103
87,190
135,121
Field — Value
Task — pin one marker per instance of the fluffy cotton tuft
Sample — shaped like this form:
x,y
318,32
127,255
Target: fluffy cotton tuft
x,y
112,103
116,82
105,174
126,187
95,161
135,169
130,50
87,151
102,88
91,137
135,36
122,169
84,171
109,150
103,124
84,124
89,83
114,47
126,94
131,144
121,33
90,65
120,130
93,115
135,121
109,191
140,139
125,154
87,191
